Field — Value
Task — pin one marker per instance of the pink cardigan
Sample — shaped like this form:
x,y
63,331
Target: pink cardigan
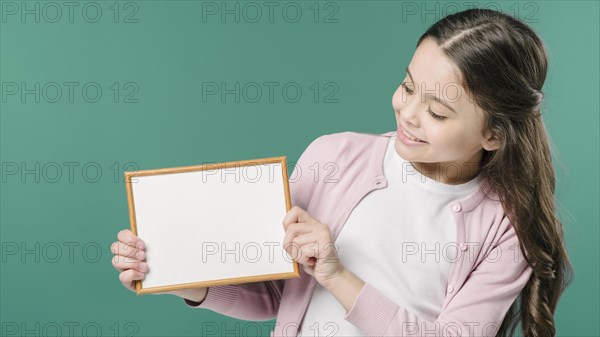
x,y
484,280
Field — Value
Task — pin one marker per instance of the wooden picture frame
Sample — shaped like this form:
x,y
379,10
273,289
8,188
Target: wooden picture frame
x,y
175,212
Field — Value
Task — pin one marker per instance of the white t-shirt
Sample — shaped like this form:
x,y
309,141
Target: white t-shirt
x,y
401,240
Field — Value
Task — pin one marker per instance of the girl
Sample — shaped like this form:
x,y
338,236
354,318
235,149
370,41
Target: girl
x,y
449,222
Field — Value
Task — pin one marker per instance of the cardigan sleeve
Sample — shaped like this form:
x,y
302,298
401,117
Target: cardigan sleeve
x,y
258,301
477,309
255,301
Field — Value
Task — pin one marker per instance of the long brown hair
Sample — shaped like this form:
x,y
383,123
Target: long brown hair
x,y
503,65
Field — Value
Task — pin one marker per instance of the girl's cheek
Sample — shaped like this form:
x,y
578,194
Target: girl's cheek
x,y
444,143
435,136
397,100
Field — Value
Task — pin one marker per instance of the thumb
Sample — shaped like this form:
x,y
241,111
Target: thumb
x,y
296,215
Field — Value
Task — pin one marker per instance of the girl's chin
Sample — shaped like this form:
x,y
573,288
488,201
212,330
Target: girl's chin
x,y
412,153
402,151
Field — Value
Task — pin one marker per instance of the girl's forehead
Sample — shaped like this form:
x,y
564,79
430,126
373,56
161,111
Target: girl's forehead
x,y
430,64
435,73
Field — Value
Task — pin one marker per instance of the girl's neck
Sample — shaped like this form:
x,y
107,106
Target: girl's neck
x,y
451,173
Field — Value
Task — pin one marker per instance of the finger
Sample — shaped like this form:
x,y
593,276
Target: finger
x,y
128,276
125,261
297,214
123,264
311,247
306,238
292,249
291,217
127,237
303,254
294,230
124,250
308,254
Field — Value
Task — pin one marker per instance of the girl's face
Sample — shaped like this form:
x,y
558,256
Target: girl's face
x,y
450,128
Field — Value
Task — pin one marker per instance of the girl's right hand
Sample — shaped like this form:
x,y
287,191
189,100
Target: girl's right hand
x,y
129,259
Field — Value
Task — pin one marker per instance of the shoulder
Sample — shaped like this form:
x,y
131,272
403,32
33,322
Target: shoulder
x,y
485,205
341,144
490,223
353,136
492,207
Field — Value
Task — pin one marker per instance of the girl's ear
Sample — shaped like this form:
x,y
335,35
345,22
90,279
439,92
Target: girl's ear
x,y
490,142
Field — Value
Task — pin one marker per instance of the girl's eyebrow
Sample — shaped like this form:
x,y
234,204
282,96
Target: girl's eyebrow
x,y
432,96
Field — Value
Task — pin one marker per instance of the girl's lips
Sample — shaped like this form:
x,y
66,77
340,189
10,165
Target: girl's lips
x,y
402,134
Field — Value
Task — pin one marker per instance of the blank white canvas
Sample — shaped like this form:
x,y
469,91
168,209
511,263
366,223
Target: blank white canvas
x,y
212,224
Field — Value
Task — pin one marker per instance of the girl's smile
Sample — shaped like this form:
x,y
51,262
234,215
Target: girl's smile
x,y
407,138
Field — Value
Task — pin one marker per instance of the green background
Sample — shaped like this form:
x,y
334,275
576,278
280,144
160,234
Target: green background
x,y
161,54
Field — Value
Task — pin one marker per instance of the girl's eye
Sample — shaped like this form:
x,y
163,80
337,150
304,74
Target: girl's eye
x,y
433,114
406,88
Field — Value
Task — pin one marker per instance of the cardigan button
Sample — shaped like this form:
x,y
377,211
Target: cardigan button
x,y
463,246
456,207
450,289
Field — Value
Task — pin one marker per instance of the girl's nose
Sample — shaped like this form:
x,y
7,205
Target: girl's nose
x,y
409,113
409,116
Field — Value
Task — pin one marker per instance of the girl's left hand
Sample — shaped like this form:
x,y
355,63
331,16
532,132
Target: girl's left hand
x,y
309,242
